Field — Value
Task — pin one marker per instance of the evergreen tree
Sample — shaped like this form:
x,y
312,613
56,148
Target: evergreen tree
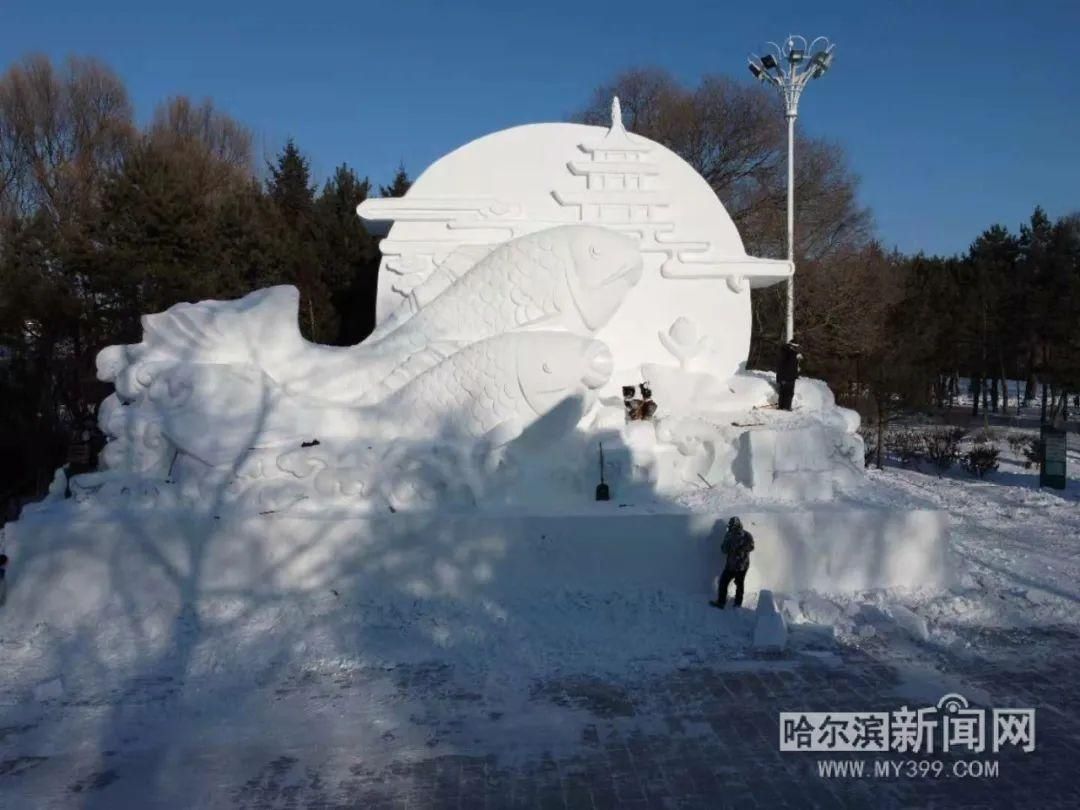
x,y
991,263
293,195
399,185
1035,238
349,254
290,185
933,332
1058,306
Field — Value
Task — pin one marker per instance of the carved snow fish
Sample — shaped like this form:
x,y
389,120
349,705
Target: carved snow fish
x,y
572,277
495,388
490,390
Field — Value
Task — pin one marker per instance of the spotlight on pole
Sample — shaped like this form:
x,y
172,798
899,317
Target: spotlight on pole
x,y
789,69
820,63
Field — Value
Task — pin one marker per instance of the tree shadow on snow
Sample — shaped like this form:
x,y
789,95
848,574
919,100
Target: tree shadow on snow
x,y
187,656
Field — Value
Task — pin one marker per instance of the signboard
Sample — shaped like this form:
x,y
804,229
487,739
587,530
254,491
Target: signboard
x,y
1055,444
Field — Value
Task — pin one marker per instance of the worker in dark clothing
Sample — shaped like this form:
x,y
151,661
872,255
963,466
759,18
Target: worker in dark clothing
x,y
648,407
787,372
638,409
3,578
737,545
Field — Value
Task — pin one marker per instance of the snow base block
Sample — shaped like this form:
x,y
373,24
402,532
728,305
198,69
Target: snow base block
x,y
827,549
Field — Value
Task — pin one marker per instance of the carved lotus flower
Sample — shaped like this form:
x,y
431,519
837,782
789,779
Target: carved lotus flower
x,y
682,340
683,332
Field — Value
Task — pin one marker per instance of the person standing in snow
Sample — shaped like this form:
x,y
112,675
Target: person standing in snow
x,y
737,545
3,578
787,372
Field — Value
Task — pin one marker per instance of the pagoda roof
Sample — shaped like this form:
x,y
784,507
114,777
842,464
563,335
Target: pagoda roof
x,y
617,139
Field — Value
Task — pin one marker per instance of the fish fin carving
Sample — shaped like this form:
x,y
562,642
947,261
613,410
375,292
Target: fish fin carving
x,y
225,331
456,264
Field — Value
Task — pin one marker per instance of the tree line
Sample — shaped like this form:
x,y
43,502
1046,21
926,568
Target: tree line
x,y
102,220
1005,315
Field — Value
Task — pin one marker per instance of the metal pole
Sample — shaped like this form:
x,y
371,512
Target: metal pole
x,y
790,322
790,83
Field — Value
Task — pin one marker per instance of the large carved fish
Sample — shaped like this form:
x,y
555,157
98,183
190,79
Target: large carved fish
x,y
572,277
491,390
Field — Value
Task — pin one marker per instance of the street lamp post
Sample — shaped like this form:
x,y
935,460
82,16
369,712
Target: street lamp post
x,y
789,71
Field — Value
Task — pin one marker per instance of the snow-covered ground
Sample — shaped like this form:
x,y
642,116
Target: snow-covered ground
x,y
1016,552
1017,546
1014,389
187,662
1015,607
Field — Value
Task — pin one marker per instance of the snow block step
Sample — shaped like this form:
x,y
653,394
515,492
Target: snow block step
x,y
770,631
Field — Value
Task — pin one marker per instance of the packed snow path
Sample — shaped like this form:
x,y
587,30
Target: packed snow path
x,y
703,734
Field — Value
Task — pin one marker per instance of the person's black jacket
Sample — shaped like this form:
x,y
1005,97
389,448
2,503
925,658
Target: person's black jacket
x,y
737,545
787,370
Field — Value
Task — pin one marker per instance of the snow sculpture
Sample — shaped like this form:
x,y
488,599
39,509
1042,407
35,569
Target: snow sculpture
x,y
217,412
533,177
526,278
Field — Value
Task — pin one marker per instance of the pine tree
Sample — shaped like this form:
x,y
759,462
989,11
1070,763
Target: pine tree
x,y
991,262
1035,238
349,254
399,185
290,185
293,195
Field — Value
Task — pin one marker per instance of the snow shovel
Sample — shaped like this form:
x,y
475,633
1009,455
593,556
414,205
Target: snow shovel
x,y
602,491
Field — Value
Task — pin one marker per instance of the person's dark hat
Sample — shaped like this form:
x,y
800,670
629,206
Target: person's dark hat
x,y
734,523
628,391
3,559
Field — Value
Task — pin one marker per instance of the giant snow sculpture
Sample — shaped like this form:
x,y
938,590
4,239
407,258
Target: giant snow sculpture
x,y
527,277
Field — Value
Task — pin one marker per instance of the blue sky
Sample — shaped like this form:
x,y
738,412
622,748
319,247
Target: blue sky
x,y
955,114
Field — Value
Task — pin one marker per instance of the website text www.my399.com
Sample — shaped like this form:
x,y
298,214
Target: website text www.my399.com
x,y
910,768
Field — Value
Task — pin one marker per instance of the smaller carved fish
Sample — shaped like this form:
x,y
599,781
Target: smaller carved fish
x,y
493,389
